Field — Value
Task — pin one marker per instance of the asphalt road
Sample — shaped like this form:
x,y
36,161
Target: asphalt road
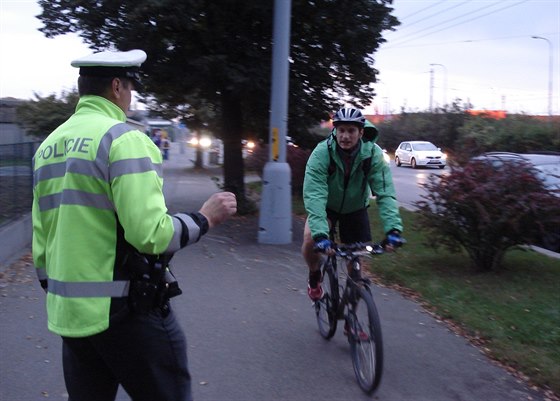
x,y
408,182
251,330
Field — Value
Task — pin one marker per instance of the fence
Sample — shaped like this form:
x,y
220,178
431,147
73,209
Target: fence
x,y
16,180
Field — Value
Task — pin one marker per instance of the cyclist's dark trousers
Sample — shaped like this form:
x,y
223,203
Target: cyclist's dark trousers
x,y
353,226
146,354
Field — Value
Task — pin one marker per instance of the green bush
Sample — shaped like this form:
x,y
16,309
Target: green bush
x,y
517,133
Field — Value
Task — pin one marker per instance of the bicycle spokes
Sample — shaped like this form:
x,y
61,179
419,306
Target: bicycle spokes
x,y
365,340
326,307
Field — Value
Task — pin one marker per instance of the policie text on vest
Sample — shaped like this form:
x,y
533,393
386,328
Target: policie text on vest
x,y
79,145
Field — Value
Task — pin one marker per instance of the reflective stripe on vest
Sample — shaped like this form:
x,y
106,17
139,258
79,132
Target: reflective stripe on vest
x,y
193,230
131,166
113,289
175,243
74,197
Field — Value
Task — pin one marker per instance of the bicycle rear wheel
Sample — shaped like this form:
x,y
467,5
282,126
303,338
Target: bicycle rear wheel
x,y
327,306
366,342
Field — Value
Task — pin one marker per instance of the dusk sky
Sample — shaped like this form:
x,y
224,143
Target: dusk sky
x,y
482,51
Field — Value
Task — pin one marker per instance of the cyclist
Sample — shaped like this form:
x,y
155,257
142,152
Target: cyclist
x,y
340,173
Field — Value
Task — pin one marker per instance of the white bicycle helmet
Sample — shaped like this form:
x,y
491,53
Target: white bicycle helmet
x,y
349,116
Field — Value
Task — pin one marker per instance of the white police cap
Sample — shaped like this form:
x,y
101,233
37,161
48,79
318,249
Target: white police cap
x,y
131,58
112,64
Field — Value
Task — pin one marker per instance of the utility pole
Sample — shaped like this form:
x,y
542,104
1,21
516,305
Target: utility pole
x,y
275,219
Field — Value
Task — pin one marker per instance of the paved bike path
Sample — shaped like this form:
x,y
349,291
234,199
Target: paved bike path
x,y
251,329
253,336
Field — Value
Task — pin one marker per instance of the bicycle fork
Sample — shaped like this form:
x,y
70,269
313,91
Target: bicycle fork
x,y
349,300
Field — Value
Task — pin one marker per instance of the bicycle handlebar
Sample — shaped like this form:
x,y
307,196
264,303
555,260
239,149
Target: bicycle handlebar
x,y
358,249
355,249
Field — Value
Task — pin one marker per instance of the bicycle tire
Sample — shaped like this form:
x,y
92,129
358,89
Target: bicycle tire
x,y
366,341
327,306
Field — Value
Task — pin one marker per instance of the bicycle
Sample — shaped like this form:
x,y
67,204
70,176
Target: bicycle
x,y
353,302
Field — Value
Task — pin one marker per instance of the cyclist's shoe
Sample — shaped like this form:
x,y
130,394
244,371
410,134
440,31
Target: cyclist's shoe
x,y
315,293
362,335
314,289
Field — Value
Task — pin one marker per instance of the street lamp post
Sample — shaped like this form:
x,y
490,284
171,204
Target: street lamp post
x,y
550,53
275,219
445,82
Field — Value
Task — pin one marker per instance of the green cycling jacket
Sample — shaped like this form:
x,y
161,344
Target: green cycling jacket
x,y
93,176
324,186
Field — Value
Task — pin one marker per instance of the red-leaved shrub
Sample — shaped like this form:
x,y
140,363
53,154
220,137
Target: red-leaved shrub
x,y
487,209
296,157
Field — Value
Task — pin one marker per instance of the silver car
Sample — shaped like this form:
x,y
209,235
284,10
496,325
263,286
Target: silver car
x,y
420,153
547,165
547,169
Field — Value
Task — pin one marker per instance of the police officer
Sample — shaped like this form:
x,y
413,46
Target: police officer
x,y
100,226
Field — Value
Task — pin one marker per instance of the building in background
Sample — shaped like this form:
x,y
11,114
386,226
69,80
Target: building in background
x,y
10,131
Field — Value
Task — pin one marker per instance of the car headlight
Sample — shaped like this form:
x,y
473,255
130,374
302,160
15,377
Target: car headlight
x,y
444,156
387,157
205,142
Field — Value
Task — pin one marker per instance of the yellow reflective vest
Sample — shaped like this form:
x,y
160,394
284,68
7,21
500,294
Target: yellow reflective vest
x,y
93,176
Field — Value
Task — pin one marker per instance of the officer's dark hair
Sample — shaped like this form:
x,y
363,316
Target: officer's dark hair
x,y
90,85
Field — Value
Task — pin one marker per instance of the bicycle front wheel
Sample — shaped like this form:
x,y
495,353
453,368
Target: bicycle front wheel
x,y
327,306
366,342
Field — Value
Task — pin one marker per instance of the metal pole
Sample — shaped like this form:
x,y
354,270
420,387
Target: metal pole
x,y
550,56
275,219
431,88
444,84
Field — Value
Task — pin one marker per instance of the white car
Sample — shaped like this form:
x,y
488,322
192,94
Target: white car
x,y
420,153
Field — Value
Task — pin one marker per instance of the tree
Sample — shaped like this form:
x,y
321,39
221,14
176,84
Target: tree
x,y
219,53
42,115
440,127
486,209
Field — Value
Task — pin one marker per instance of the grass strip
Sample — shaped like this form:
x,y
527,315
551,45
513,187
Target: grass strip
x,y
513,313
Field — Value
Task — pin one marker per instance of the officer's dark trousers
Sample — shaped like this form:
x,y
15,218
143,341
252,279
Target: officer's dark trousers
x,y
146,354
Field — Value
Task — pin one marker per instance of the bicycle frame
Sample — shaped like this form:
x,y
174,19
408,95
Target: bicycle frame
x,y
354,278
353,303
